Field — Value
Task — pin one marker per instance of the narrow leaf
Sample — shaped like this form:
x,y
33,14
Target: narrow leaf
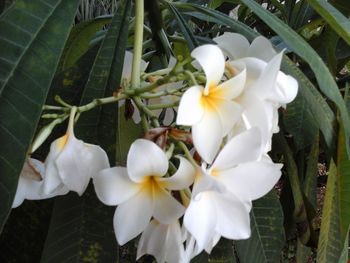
x,y
33,34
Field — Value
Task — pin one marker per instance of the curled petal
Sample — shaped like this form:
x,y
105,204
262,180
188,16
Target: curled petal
x,y
244,147
233,45
287,88
144,159
190,108
212,60
207,135
251,181
113,186
183,177
261,48
132,217
166,208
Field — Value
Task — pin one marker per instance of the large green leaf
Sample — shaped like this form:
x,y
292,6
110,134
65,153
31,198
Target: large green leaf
x,y
322,113
267,239
93,238
32,36
223,252
330,243
79,40
325,80
339,22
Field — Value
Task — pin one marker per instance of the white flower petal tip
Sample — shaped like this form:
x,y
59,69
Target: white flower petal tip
x,y
261,48
164,242
287,88
212,60
234,45
146,159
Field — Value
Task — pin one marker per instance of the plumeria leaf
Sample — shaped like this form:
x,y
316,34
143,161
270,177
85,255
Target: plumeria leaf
x,y
33,34
79,40
268,236
330,244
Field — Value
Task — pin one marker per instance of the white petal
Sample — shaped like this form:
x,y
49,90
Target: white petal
x,y
250,181
265,84
132,217
233,217
213,243
261,48
190,108
244,147
230,113
286,89
26,187
258,113
113,186
166,208
152,241
78,162
136,116
200,219
233,87
233,45
207,135
162,241
212,60
183,177
145,158
127,66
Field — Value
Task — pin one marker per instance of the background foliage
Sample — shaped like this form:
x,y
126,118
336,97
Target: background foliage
x,y
75,48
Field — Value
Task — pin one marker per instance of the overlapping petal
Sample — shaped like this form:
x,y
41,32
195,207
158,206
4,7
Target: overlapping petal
x,y
113,186
146,159
234,45
132,217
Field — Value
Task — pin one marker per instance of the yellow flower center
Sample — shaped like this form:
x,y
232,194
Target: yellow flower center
x,y
62,141
153,185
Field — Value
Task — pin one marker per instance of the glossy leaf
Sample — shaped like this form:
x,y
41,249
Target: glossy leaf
x,y
33,34
339,22
330,244
267,238
79,40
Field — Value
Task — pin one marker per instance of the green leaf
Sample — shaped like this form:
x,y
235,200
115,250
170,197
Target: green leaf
x,y
302,48
343,180
185,29
300,122
267,239
81,230
339,22
33,34
223,252
79,40
330,244
85,224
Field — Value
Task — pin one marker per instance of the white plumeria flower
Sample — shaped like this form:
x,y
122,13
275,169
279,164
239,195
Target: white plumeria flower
x,y
30,183
266,88
210,110
72,163
222,194
126,78
164,242
141,190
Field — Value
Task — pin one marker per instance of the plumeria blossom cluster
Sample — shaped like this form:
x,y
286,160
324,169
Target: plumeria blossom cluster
x,y
188,184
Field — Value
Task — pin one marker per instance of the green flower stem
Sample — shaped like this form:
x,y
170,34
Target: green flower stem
x,y
163,106
191,76
187,153
160,72
161,93
60,101
50,107
138,41
98,102
144,109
